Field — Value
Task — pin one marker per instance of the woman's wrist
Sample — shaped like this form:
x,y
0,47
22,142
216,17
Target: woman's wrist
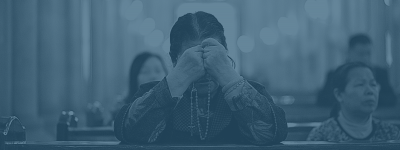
x,y
231,84
177,84
228,76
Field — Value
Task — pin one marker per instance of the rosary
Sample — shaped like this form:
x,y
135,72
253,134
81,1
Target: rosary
x,y
194,90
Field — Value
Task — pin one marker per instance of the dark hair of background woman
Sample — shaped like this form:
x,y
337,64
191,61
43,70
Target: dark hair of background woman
x,y
359,38
136,66
340,81
195,26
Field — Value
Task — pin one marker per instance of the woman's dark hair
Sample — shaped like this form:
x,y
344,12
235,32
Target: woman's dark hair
x,y
340,81
136,66
195,26
359,38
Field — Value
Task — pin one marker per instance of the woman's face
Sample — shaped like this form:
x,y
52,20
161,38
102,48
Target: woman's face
x,y
152,70
361,92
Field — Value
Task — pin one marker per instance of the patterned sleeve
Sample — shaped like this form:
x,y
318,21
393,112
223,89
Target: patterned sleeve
x,y
259,119
391,131
397,130
143,120
316,135
398,134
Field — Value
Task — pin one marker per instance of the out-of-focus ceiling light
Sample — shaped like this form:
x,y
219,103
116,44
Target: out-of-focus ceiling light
x,y
288,25
147,26
245,43
269,35
154,39
134,9
317,9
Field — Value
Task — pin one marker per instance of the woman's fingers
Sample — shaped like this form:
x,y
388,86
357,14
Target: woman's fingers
x,y
210,48
206,55
210,42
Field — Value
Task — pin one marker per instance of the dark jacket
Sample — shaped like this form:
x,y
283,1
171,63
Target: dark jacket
x,y
153,116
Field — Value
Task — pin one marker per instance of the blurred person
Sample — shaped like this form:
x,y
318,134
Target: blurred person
x,y
203,99
146,67
360,47
356,92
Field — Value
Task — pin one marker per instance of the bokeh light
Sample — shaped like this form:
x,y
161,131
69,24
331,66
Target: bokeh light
x,y
317,9
154,39
388,2
245,43
389,56
147,26
133,26
134,9
288,25
269,35
287,100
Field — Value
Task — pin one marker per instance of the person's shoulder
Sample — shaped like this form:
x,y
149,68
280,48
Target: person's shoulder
x,y
147,86
256,85
384,125
380,70
143,88
260,88
387,130
327,125
331,71
329,75
324,130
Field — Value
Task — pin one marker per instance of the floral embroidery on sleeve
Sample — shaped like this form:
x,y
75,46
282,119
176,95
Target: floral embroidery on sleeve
x,y
157,131
260,130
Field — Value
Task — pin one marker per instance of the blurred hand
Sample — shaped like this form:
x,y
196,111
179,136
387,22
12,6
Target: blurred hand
x,y
217,63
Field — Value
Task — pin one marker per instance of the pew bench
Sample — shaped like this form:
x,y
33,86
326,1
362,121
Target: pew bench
x,y
296,132
286,145
90,134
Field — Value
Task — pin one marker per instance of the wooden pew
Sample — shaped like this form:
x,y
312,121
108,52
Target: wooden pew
x,y
300,131
286,145
67,130
91,134
296,132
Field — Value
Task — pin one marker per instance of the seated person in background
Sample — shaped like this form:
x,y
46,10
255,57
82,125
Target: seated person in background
x,y
360,46
146,67
203,99
356,92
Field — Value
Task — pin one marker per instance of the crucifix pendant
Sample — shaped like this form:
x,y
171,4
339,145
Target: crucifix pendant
x,y
191,130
